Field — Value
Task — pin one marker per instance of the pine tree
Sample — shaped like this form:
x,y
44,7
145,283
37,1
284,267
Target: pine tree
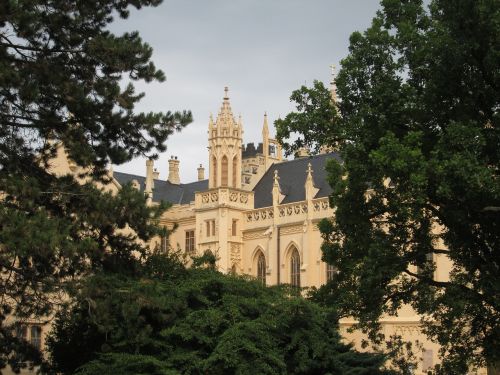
x,y
60,75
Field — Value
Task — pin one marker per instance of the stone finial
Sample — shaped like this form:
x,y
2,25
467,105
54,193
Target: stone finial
x,y
309,184
277,196
309,170
173,171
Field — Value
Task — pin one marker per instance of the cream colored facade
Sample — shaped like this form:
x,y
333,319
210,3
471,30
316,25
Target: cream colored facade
x,y
224,219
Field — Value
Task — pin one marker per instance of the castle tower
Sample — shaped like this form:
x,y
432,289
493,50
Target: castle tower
x,y
224,140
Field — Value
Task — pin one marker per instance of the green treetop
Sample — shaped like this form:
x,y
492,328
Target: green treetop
x,y
173,320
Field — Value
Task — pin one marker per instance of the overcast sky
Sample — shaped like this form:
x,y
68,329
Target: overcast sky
x,y
261,49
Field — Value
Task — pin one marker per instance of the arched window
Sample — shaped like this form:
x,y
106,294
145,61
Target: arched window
x,y
261,268
224,171
295,268
214,168
330,272
235,169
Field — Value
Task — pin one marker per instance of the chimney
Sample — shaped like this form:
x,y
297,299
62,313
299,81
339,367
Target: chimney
x,y
302,152
156,174
201,173
173,171
149,184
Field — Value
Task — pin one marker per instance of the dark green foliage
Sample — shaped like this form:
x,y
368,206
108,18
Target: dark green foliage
x,y
120,363
198,321
314,123
419,121
60,74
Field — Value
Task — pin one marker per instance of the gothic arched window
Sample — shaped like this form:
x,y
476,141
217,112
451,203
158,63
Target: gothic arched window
x,y
224,171
235,169
261,268
214,167
295,268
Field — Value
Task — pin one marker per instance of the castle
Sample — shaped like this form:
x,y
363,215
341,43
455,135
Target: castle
x,y
258,213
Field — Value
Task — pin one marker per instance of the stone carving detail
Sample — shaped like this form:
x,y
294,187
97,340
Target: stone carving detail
x,y
210,197
243,198
215,197
320,205
235,254
293,209
254,235
291,230
409,330
260,214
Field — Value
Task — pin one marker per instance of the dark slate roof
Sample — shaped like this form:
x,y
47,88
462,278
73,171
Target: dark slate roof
x,y
164,190
292,176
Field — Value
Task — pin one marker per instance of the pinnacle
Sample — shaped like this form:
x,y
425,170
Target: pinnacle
x,y
225,116
265,127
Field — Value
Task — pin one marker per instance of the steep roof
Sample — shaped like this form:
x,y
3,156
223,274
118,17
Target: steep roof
x,y
292,180
164,190
292,176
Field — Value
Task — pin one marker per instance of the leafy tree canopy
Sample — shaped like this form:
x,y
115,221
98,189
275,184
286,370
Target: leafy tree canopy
x,y
419,133
60,84
175,320
315,122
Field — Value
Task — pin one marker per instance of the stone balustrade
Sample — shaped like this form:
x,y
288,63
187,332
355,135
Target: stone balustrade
x,y
224,196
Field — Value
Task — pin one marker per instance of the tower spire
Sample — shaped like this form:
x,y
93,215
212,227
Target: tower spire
x,y
265,140
224,145
265,127
225,116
